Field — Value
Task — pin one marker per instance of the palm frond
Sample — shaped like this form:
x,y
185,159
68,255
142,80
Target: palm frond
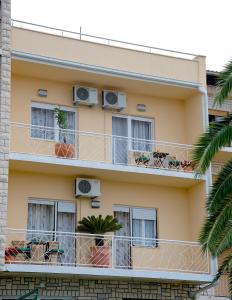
x,y
221,189
225,269
225,240
218,135
214,228
224,84
98,224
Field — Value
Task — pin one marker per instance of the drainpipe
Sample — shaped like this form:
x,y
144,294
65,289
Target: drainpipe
x,y
195,295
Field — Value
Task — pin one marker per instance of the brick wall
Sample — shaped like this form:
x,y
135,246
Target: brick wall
x,y
84,289
5,69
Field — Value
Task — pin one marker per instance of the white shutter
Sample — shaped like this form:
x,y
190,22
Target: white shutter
x,y
40,201
144,214
121,208
67,207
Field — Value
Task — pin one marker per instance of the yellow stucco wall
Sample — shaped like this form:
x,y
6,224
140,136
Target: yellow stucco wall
x,y
174,120
174,205
111,57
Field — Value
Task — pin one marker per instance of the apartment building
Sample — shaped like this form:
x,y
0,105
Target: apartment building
x,y
131,123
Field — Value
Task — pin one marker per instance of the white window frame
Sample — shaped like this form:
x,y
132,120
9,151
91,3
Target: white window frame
x,y
130,210
55,204
129,127
51,107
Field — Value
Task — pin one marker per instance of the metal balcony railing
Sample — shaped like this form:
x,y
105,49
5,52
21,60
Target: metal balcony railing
x,y
108,251
220,290
97,147
216,167
226,106
102,40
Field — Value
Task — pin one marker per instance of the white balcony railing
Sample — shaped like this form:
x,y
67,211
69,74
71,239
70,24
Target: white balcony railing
x,y
216,167
226,106
97,147
108,251
101,40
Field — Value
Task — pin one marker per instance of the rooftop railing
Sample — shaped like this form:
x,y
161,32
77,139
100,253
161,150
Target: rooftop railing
x,y
106,251
101,40
97,147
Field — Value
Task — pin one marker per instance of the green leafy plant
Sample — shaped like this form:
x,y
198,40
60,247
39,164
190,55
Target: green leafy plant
x,y
61,121
142,159
216,233
174,163
98,225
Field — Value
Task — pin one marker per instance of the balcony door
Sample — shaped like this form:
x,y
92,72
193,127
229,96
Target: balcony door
x,y
120,140
47,218
122,239
130,134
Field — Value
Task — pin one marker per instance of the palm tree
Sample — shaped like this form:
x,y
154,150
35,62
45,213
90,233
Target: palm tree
x,y
98,225
216,233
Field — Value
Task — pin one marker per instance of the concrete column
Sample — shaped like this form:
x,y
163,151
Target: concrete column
x,y
5,83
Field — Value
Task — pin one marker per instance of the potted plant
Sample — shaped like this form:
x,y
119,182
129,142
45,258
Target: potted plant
x,y
63,149
100,253
174,163
10,254
187,165
142,159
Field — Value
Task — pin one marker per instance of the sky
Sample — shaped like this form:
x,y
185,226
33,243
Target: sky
x,y
195,26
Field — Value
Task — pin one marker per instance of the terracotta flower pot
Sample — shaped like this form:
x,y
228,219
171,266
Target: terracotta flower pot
x,y
188,169
9,259
100,256
64,150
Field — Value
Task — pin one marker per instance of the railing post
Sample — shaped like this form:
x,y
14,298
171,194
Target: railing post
x,y
113,251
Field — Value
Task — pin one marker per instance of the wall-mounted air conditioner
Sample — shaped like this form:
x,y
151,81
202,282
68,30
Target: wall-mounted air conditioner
x,y
87,188
114,100
85,95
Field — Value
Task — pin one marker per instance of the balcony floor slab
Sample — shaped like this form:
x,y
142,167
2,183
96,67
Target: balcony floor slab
x,y
109,273
74,167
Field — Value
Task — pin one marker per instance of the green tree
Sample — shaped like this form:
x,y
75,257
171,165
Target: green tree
x,y
216,233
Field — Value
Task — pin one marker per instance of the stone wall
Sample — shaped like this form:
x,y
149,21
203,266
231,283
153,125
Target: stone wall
x,y
5,75
84,289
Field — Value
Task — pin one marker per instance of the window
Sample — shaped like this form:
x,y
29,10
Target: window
x,y
44,124
141,223
213,118
46,218
144,226
130,134
141,135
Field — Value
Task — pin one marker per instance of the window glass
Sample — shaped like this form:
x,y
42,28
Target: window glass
x,y
68,133
141,135
137,231
149,232
44,125
144,226
42,121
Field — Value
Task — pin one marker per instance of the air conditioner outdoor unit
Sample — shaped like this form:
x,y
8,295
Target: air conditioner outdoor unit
x,y
87,188
85,95
114,100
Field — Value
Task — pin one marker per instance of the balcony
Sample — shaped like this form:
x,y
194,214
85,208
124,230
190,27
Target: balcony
x,y
216,167
109,255
100,151
226,106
